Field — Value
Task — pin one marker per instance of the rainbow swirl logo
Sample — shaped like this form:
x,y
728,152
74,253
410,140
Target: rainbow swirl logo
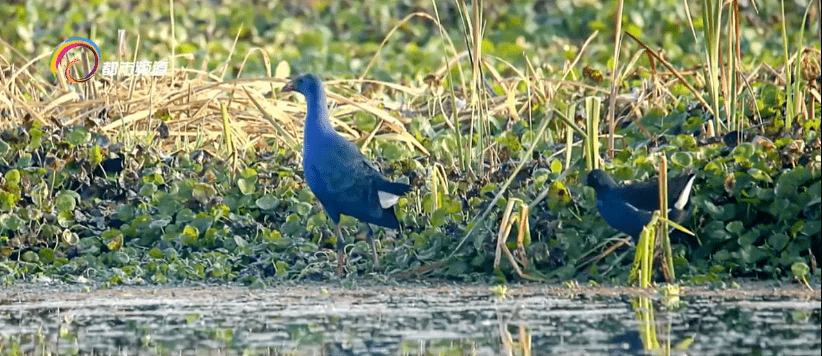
x,y
65,47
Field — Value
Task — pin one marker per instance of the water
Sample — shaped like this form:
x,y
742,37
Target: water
x,y
446,319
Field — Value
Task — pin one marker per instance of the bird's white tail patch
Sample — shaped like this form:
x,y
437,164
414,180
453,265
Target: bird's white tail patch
x,y
387,200
686,193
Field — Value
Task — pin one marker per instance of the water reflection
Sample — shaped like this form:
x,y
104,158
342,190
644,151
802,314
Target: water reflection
x,y
452,320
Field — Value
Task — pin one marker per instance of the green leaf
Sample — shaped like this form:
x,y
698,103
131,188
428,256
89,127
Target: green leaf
x,y
812,227
116,242
30,256
120,258
247,185
760,175
800,269
743,152
439,217
46,255
682,159
778,241
78,136
11,222
148,189
65,203
268,202
735,227
189,235
155,253
203,192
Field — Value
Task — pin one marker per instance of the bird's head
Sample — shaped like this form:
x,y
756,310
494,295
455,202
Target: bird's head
x,y
600,180
305,84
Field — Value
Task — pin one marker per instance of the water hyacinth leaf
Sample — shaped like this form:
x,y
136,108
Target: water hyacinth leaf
x,y
743,152
10,222
540,176
30,256
439,217
185,216
8,200
65,218
800,269
812,227
35,138
78,136
247,185
120,258
685,142
302,208
155,253
24,161
759,175
457,268
148,189
527,138
510,140
716,230
488,188
46,255
393,151
771,96
240,241
451,205
365,121
95,155
30,213
778,241
292,227
41,195
735,227
267,202
12,177
189,235
126,213
203,192
682,159
65,202
160,223
114,239
281,268
752,254
797,227
168,205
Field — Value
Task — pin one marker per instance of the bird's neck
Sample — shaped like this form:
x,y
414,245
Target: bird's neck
x,y
316,118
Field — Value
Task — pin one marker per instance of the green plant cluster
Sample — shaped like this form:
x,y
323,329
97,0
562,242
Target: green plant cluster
x,y
75,207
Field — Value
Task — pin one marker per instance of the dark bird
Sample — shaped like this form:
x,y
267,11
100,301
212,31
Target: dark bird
x,y
343,180
629,208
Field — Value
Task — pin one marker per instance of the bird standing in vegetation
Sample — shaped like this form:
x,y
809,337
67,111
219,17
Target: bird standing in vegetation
x,y
341,177
629,208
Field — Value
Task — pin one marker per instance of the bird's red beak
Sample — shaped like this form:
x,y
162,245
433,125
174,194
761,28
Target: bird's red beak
x,y
288,87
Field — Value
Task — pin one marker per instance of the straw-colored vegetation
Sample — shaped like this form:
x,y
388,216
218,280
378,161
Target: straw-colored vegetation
x,y
483,107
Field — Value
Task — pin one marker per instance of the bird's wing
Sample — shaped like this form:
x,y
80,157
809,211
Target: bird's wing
x,y
645,195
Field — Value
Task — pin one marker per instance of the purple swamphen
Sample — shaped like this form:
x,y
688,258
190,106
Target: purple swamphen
x,y
629,208
341,177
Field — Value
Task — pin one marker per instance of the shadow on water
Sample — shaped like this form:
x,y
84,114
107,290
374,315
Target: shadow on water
x,y
390,320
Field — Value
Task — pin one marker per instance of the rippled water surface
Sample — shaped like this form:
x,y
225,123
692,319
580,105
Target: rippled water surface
x,y
447,319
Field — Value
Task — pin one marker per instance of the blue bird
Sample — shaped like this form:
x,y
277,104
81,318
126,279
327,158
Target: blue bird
x,y
342,178
629,208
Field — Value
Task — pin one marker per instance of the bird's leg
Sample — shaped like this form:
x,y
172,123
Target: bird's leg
x,y
340,250
373,246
